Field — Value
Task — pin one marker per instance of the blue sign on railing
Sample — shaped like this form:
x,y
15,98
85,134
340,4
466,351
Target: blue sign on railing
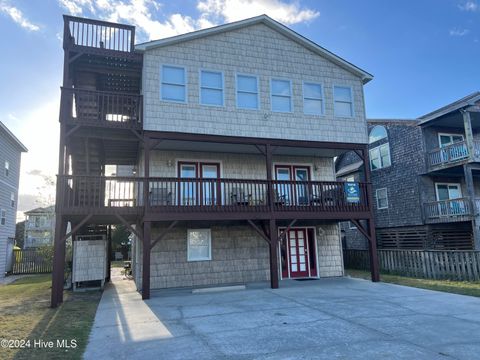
x,y
352,192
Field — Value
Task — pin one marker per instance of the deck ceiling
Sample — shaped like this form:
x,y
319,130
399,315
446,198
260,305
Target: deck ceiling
x,y
113,73
199,146
455,120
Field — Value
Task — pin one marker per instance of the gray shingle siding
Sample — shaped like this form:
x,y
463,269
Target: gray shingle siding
x,y
9,151
256,50
401,179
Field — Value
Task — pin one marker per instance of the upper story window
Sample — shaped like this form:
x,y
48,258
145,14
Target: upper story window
x,y
199,244
281,95
449,139
380,157
312,98
343,101
382,198
377,133
12,199
3,217
174,84
247,92
7,168
211,88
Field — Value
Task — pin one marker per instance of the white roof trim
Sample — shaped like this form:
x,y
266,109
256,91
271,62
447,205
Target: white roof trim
x,y
264,19
13,137
463,102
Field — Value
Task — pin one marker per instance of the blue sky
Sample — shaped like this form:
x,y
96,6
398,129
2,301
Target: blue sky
x,y
423,54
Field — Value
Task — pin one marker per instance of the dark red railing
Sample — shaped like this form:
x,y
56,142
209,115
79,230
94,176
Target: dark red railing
x,y
222,195
97,34
106,108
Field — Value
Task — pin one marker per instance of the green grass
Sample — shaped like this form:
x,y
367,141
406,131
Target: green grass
x,y
25,314
455,287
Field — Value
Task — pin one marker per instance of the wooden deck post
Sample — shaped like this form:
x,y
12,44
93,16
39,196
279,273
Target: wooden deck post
x,y
58,271
146,246
372,238
273,254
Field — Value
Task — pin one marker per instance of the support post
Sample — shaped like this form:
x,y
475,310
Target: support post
x,y
467,170
146,260
268,164
58,271
273,254
372,238
467,124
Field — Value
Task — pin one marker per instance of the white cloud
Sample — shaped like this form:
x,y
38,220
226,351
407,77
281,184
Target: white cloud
x,y
17,16
77,7
458,32
233,10
145,14
469,5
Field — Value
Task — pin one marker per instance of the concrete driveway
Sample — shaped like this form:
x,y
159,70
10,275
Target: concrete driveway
x,y
339,318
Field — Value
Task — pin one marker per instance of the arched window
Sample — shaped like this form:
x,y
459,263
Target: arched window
x,y
377,133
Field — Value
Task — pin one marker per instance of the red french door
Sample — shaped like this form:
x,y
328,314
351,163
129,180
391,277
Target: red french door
x,y
204,188
298,253
293,194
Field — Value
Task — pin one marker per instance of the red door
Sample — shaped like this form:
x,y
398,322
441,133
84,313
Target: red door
x,y
298,253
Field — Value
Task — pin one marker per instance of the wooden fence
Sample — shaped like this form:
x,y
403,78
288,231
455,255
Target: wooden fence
x,y
429,264
32,261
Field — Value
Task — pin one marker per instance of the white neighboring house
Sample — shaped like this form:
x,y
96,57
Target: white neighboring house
x,y
39,227
10,155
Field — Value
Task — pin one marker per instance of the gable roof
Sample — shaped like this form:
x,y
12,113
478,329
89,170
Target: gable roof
x,y
41,210
456,105
275,25
13,137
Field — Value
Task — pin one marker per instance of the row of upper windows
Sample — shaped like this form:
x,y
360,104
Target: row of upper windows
x,y
173,87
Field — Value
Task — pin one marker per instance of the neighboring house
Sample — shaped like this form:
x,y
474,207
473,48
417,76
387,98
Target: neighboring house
x,y
10,154
39,227
425,179
231,134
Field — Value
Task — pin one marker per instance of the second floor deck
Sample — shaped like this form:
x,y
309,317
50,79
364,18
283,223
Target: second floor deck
x,y
451,155
191,199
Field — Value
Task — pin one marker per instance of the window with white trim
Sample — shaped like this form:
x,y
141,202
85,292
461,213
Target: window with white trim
x,y
211,88
380,157
281,95
382,198
174,83
312,98
7,168
3,216
12,199
247,92
199,244
343,101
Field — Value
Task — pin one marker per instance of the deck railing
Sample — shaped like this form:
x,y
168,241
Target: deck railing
x,y
98,34
448,210
184,194
448,154
114,109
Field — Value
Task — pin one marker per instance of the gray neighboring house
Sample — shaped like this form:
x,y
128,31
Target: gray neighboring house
x,y
39,227
425,177
10,155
